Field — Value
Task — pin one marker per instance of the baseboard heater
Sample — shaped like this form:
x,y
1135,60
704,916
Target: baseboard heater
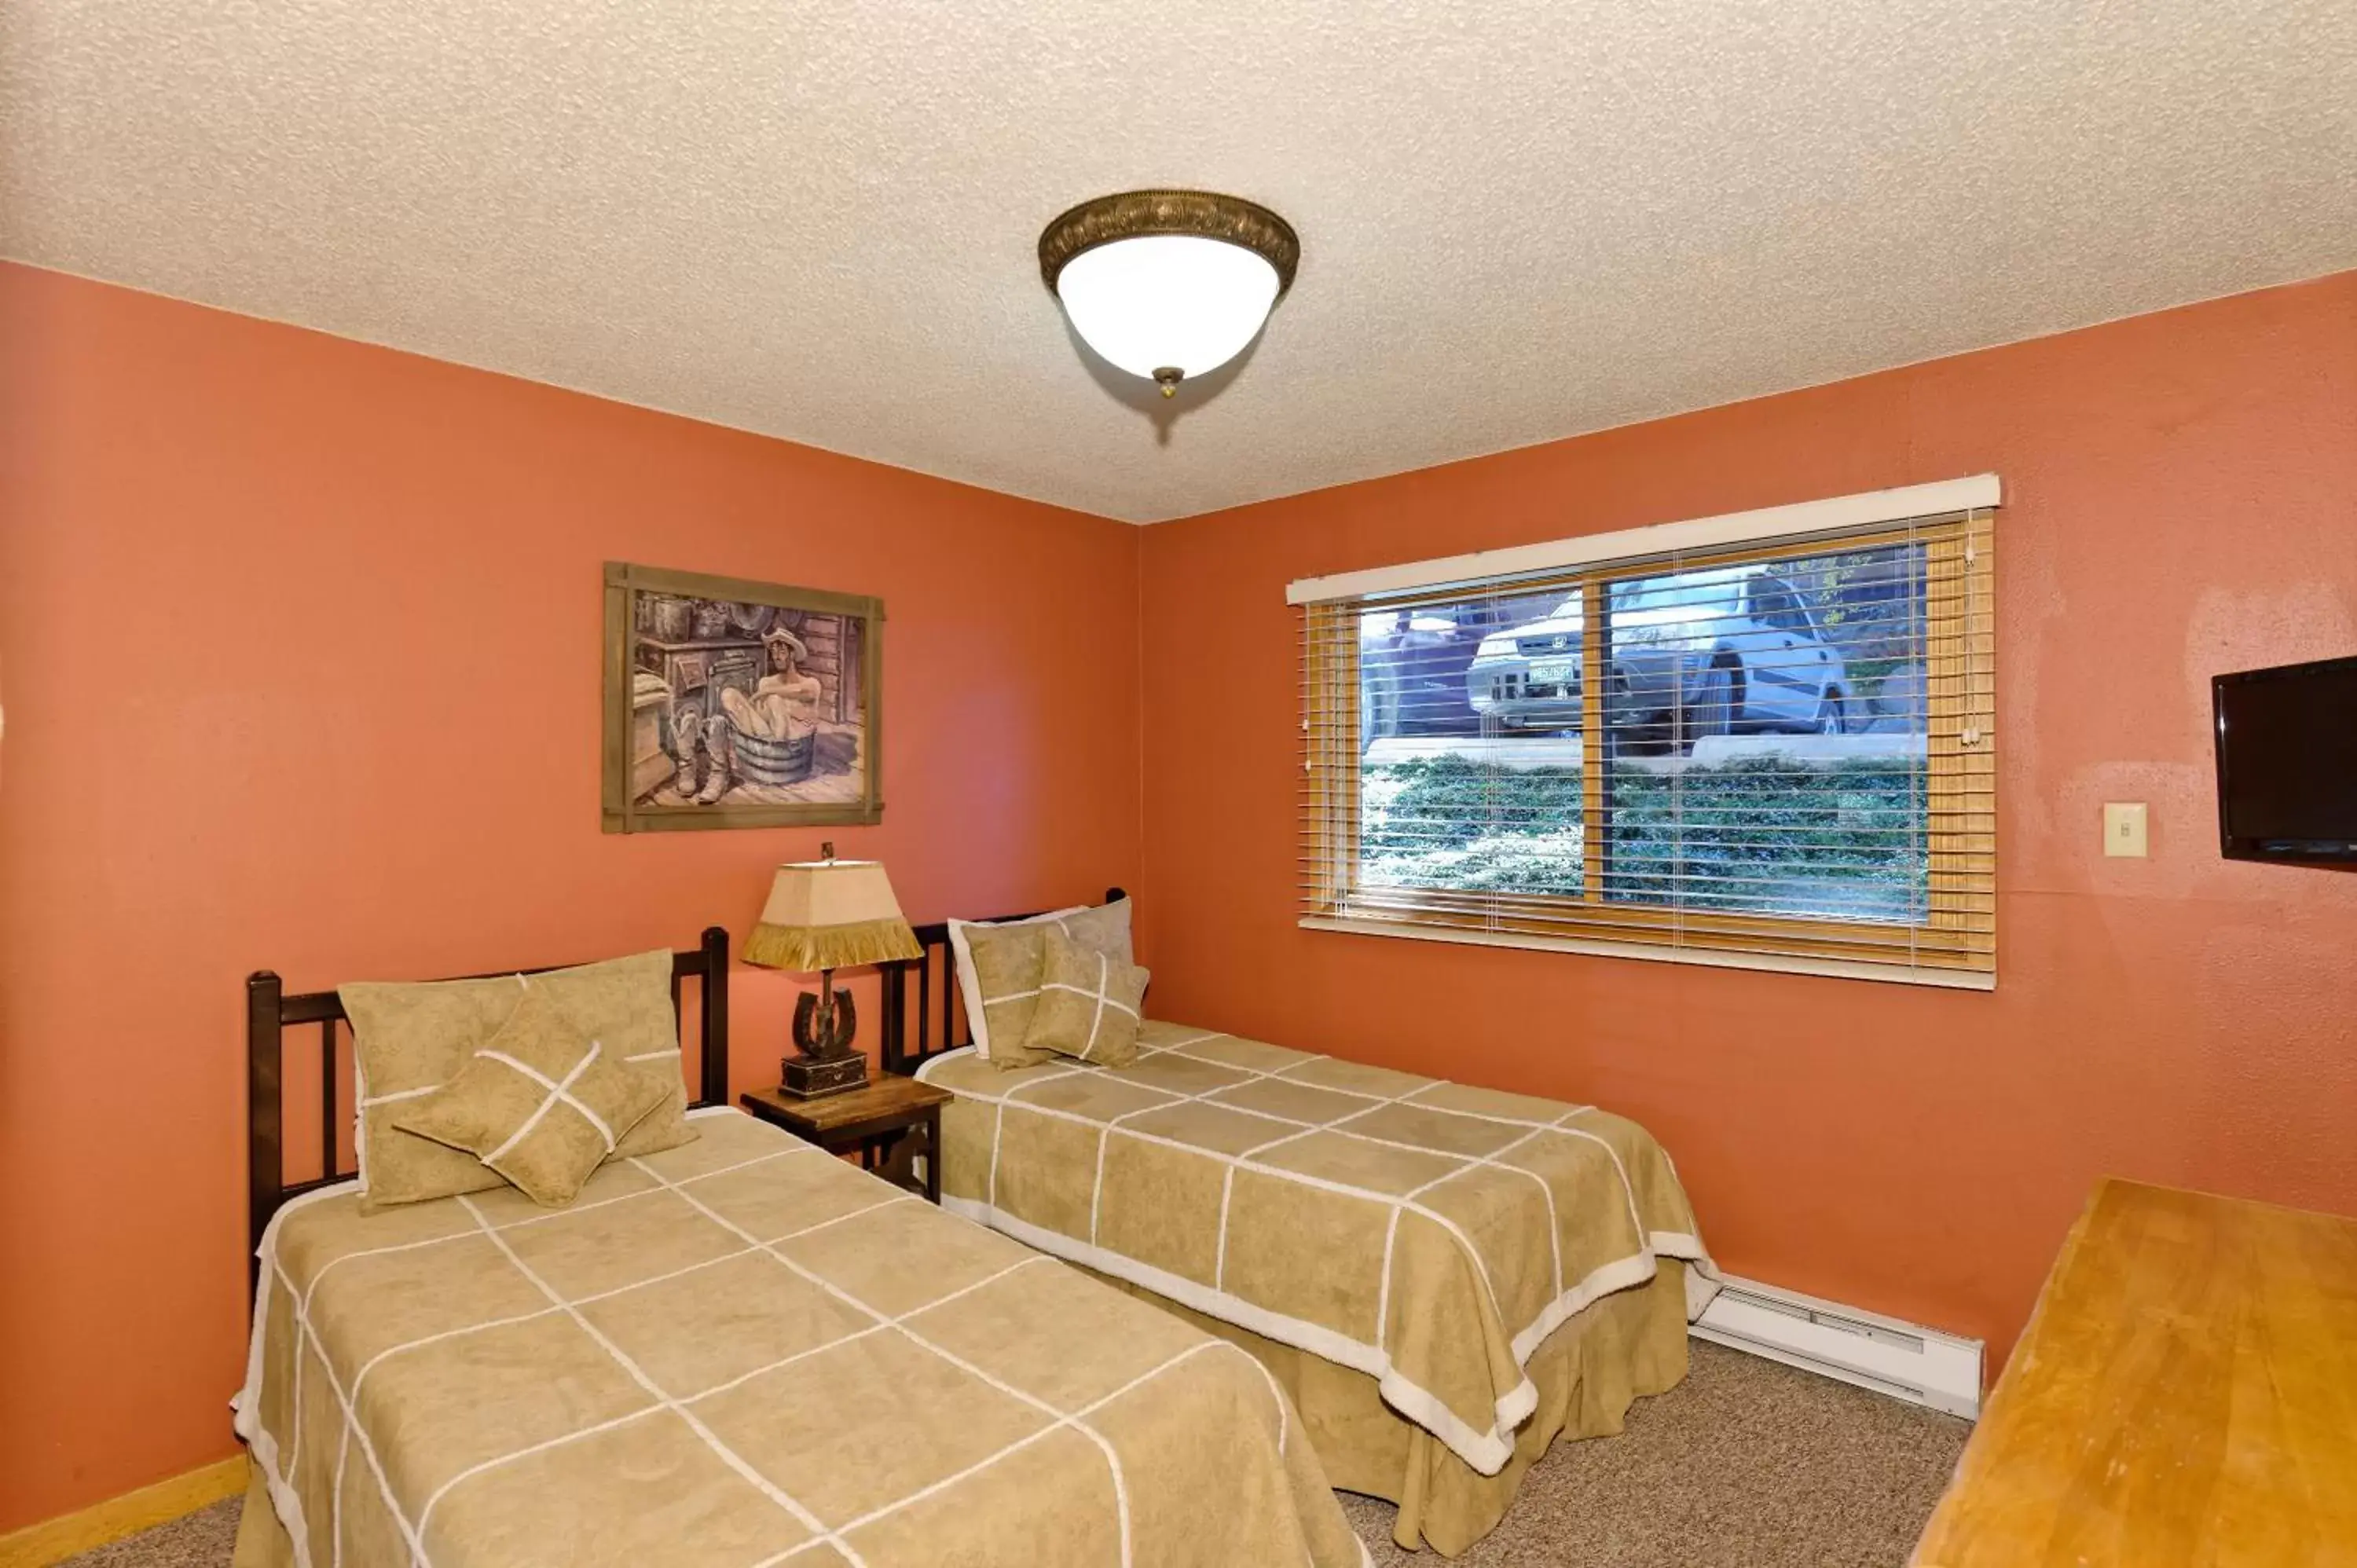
x,y
1922,1366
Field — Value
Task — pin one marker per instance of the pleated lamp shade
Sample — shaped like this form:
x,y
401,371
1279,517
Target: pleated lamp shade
x,y
830,914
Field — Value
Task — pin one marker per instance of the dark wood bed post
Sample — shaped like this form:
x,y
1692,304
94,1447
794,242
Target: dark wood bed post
x,y
714,1002
895,983
266,1166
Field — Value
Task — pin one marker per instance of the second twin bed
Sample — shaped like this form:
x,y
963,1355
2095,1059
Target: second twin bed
x,y
1445,1277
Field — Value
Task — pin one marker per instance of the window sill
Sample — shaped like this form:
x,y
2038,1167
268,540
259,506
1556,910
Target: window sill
x,y
1775,963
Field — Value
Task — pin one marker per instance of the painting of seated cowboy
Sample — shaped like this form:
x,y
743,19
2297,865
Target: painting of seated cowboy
x,y
736,704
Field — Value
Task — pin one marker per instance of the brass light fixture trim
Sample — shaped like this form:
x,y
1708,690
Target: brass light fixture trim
x,y
1201,213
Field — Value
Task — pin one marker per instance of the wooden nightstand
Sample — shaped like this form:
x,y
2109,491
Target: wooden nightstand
x,y
892,1122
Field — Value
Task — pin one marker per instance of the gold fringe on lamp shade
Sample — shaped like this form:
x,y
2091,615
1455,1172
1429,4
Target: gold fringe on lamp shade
x,y
806,948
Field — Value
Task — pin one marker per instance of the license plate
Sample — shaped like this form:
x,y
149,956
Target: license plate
x,y
1554,671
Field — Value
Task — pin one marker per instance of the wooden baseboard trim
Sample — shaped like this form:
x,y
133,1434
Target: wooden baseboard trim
x,y
54,1541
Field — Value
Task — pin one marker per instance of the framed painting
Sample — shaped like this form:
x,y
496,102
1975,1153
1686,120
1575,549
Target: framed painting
x,y
738,704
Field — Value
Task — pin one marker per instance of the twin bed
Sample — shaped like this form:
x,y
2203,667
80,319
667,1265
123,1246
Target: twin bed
x,y
1445,1278
1309,1274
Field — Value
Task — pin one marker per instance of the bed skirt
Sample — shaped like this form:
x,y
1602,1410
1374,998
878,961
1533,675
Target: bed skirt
x,y
1630,1344
262,1540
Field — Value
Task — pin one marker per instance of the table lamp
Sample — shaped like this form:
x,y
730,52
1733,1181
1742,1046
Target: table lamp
x,y
826,915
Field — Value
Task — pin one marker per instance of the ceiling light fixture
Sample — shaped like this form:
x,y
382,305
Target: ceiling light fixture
x,y
1169,284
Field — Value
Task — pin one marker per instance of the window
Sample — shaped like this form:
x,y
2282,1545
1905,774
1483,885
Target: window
x,y
1747,741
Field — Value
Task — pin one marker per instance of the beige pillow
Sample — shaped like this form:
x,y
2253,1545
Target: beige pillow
x,y
1090,1004
1009,960
962,963
410,1040
541,1103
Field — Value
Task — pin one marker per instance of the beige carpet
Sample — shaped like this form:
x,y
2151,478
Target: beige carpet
x,y
1748,1464
1745,1464
203,1539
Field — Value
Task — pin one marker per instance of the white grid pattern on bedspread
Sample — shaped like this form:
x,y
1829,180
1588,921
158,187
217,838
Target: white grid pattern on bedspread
x,y
1484,1449
1397,1203
697,1219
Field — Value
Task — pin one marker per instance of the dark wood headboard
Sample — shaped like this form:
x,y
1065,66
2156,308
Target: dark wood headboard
x,y
270,1012
939,1024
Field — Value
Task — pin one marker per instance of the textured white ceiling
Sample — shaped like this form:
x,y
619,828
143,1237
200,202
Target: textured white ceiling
x,y
1519,220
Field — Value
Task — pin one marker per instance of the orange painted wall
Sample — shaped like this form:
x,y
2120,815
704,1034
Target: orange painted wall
x,y
2182,499
299,651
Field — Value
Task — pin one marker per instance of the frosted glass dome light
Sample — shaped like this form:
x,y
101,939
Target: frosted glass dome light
x,y
1167,302
1166,284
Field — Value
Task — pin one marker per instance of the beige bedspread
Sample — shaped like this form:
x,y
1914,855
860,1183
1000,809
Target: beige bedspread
x,y
743,1352
1430,1234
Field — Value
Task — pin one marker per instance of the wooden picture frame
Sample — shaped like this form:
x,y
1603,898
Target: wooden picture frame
x,y
732,704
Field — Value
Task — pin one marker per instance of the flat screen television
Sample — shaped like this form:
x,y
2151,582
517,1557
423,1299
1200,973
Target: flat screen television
x,y
2287,761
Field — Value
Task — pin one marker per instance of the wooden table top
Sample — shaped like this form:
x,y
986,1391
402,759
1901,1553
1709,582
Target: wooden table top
x,y
2186,1393
885,1095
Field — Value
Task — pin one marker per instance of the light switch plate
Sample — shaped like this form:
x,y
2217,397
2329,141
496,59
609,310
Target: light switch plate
x,y
2124,824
